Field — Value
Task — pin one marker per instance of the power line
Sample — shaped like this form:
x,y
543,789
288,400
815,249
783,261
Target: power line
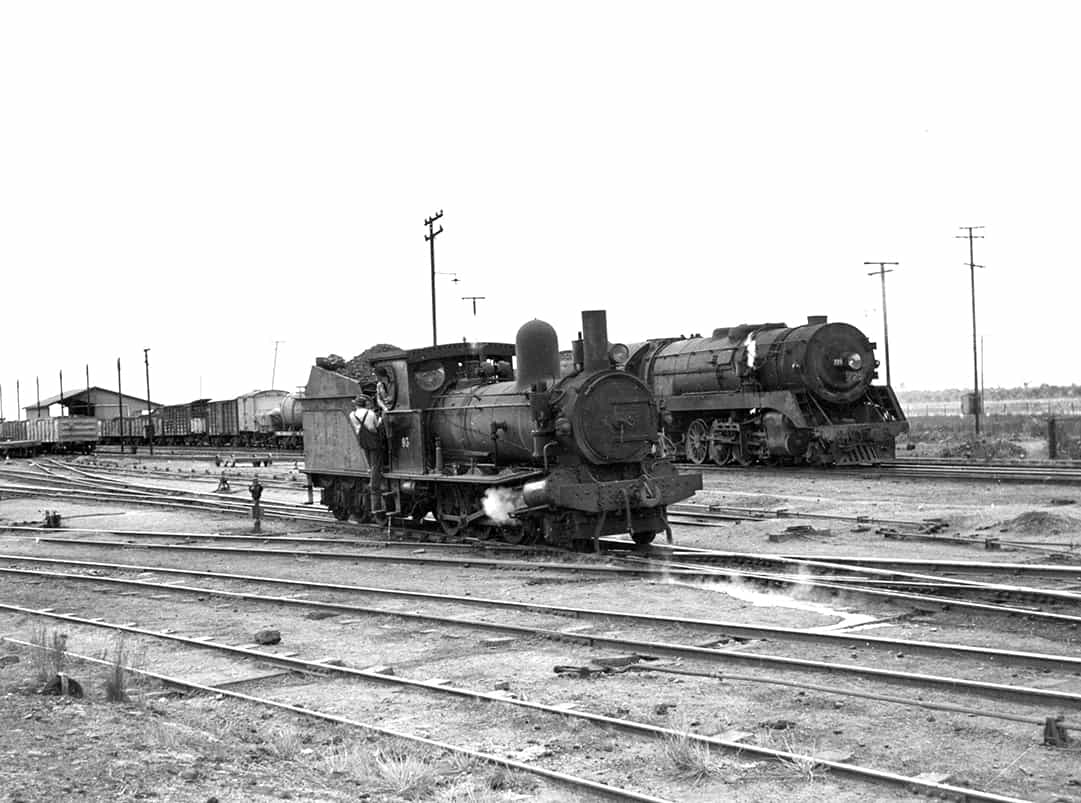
x,y
885,322
972,275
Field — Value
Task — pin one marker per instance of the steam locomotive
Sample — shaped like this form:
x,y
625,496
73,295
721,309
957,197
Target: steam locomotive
x,y
772,393
523,455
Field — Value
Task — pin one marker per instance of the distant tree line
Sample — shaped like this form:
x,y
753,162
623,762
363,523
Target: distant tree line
x,y
1043,391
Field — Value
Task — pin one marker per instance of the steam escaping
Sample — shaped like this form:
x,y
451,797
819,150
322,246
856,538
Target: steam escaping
x,y
752,350
500,502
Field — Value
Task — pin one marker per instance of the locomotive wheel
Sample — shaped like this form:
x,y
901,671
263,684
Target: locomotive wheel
x,y
696,442
451,509
741,457
642,539
515,535
720,453
341,513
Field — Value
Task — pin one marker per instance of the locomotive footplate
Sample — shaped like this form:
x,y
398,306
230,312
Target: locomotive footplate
x,y
615,495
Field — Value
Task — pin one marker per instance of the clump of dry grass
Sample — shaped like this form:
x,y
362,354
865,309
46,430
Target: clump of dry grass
x,y
803,762
51,656
116,681
284,742
393,768
405,774
691,759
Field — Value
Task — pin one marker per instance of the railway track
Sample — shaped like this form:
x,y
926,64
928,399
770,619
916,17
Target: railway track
x,y
323,667
826,576
1044,472
877,585
203,452
724,628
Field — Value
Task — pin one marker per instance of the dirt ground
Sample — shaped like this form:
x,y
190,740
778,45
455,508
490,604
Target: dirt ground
x,y
161,745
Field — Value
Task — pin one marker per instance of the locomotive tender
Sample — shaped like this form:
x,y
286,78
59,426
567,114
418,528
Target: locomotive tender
x,y
771,393
523,455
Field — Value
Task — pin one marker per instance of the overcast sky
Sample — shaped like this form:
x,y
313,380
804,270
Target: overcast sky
x,y
207,178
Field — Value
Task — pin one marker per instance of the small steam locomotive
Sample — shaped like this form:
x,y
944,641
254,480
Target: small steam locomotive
x,y
520,454
772,393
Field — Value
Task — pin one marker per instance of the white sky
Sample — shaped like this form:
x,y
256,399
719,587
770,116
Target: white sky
x,y
204,178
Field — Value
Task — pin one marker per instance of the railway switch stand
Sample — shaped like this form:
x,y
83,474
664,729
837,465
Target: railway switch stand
x,y
256,491
1055,733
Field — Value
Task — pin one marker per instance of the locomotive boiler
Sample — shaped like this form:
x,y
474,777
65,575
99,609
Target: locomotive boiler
x,y
518,453
772,393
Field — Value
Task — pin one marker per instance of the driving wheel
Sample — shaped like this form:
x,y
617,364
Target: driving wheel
x,y
696,441
451,509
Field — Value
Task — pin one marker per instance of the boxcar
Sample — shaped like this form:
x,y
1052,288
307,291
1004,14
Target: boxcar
x,y
255,416
221,422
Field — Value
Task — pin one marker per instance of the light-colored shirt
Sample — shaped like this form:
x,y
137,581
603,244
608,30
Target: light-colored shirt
x,y
363,417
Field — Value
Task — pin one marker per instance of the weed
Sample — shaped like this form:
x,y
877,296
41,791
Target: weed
x,y
691,759
116,682
284,742
405,774
51,655
802,762
504,778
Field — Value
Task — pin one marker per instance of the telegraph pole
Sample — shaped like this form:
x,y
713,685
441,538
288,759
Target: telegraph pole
x,y
18,403
62,394
885,322
149,417
430,239
474,299
120,405
274,370
972,275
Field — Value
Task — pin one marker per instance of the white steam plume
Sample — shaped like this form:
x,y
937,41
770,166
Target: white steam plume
x,y
499,502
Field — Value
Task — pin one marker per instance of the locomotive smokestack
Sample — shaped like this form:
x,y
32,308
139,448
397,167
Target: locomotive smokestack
x,y
595,340
537,348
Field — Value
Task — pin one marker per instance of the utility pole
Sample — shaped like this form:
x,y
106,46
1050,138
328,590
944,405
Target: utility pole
x,y
120,405
881,272
430,239
149,418
274,370
37,385
18,403
474,299
972,275
62,394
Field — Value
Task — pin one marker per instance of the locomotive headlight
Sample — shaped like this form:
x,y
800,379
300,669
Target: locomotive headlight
x,y
563,427
618,353
854,362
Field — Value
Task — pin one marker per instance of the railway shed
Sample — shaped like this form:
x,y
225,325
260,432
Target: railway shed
x,y
95,402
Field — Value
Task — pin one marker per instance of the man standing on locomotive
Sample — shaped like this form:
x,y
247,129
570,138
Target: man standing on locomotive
x,y
369,432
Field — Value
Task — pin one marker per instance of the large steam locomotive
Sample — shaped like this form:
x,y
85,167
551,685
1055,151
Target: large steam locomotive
x,y
523,455
771,393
